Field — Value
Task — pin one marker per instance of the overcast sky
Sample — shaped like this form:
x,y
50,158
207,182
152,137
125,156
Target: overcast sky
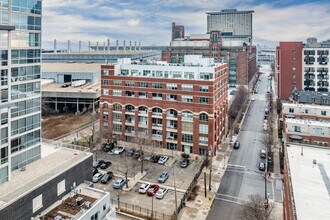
x,y
149,21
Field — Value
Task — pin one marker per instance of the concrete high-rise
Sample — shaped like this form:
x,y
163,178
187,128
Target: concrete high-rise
x,y
177,31
20,50
231,22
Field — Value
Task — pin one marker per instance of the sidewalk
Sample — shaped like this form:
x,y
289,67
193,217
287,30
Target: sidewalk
x,y
200,207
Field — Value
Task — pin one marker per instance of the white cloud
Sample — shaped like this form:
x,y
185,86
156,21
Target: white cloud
x,y
133,22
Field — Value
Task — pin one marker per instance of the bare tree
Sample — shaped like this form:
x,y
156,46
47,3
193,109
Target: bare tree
x,y
92,139
107,133
143,142
237,106
255,209
127,164
278,106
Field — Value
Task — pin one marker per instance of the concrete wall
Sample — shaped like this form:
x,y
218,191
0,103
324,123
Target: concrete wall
x,y
22,208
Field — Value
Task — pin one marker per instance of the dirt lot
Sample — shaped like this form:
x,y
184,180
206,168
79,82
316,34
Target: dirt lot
x,y
57,125
184,176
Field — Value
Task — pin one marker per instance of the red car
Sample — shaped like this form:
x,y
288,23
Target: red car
x,y
152,190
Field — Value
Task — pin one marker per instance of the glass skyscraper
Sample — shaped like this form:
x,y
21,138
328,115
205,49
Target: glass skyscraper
x,y
20,106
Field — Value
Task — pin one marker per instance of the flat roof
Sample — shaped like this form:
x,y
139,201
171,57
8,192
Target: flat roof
x,y
54,161
306,105
89,90
229,11
310,182
307,122
71,67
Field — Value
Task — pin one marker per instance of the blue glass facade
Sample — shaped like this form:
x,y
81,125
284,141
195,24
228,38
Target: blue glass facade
x,y
20,106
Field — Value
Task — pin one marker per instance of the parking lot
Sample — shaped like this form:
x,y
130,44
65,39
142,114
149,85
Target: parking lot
x,y
184,177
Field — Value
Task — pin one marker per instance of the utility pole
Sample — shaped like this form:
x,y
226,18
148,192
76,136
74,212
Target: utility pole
x,y
266,167
205,184
176,200
210,168
152,207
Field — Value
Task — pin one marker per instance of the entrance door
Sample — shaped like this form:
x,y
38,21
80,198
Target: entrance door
x,y
67,78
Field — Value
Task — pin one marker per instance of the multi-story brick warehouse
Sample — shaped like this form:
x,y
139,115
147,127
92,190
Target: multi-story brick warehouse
x,y
288,68
180,107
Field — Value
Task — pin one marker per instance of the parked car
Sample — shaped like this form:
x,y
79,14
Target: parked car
x,y
154,158
262,166
236,145
137,154
144,187
147,157
152,190
162,159
163,177
262,153
119,150
130,152
161,193
106,178
95,171
184,163
119,183
98,163
105,164
97,177
110,174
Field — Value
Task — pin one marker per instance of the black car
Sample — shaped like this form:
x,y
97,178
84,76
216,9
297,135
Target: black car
x,y
137,154
105,165
98,164
106,178
184,163
130,152
110,173
237,145
95,171
154,158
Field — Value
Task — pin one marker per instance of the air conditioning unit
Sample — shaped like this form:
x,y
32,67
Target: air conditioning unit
x,y
79,201
87,204
58,217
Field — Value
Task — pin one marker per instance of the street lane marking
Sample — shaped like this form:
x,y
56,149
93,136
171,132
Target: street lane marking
x,y
234,165
228,198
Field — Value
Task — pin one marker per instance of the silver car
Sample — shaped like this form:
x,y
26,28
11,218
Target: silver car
x,y
161,193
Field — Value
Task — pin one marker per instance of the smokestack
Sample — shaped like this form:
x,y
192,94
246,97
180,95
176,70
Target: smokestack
x,y
104,46
97,46
108,45
89,46
130,45
69,44
139,45
124,45
117,45
55,46
135,45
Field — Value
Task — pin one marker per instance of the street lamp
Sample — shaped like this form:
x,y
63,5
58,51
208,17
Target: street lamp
x,y
210,151
176,200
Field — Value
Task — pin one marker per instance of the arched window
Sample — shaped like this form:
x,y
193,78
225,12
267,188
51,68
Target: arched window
x,y
143,110
117,107
203,117
130,108
105,106
188,116
157,111
172,113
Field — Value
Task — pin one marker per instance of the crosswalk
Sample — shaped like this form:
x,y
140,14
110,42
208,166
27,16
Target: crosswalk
x,y
228,198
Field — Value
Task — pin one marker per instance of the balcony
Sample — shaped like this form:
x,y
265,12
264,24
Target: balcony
x,y
157,136
143,124
309,89
157,125
130,122
172,127
157,114
129,133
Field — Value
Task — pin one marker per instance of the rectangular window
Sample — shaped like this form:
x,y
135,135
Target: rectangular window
x,y
206,76
116,83
189,75
124,72
143,85
37,203
105,92
143,95
204,141
297,129
60,187
187,127
318,131
105,82
171,97
203,100
187,98
129,93
186,87
306,111
188,138
105,72
202,151
203,88
177,74
323,113
129,83
203,129
157,85
291,110
171,86
157,96
116,92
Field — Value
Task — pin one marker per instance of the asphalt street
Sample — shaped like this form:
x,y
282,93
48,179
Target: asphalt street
x,y
242,177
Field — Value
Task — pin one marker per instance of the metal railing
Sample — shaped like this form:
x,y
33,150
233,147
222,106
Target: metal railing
x,y
65,145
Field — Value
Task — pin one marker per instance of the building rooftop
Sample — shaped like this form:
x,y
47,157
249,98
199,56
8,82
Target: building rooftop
x,y
312,97
54,159
88,90
67,206
310,182
307,122
229,11
325,107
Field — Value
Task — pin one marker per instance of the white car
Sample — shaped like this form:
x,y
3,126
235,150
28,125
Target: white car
x,y
163,159
119,150
161,193
144,187
97,177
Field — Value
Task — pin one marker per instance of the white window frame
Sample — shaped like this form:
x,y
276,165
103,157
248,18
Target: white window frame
x,y
203,129
61,187
37,203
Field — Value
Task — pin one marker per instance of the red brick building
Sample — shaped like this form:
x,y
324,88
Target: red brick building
x,y
288,68
177,31
179,107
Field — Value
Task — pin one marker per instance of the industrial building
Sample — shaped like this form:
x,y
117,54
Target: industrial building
x,y
266,56
179,106
73,87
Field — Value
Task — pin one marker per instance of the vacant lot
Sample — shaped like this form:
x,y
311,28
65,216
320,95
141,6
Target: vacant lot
x,y
57,125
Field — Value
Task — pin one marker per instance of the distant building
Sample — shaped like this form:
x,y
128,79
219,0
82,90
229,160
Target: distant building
x,y
288,68
306,182
306,124
266,56
231,22
182,107
38,185
241,57
177,31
